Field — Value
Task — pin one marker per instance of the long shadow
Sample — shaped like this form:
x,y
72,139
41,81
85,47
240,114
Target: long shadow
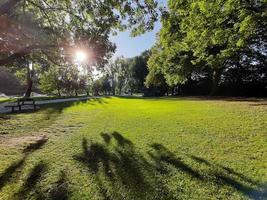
x,y
163,156
224,179
7,175
120,171
30,185
59,190
241,176
9,172
227,176
224,169
106,137
222,176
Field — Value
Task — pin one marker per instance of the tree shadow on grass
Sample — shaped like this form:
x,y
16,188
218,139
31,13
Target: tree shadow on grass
x,y
31,187
226,170
121,172
163,156
59,190
236,180
9,173
31,182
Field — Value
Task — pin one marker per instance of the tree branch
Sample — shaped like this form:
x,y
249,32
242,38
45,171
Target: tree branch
x,y
24,52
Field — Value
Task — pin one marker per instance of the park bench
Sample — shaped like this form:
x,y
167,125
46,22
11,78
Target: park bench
x,y
22,102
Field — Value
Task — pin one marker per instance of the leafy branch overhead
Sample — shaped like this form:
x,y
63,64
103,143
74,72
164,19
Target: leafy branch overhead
x,y
34,25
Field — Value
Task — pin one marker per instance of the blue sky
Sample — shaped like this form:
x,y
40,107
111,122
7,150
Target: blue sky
x,y
132,46
128,46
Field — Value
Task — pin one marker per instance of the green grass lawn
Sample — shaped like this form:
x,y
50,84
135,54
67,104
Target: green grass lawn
x,y
136,148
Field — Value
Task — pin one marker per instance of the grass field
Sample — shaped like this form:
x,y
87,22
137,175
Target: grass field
x,y
135,148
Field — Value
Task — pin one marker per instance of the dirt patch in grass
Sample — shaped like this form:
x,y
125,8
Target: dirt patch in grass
x,y
22,141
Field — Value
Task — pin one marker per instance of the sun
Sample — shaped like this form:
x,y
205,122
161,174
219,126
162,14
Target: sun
x,y
80,56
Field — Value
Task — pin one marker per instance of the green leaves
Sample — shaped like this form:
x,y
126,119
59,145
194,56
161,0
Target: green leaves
x,y
204,33
69,23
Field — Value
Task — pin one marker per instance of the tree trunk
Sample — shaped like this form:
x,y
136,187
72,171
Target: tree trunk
x,y
29,82
29,88
58,92
215,81
172,91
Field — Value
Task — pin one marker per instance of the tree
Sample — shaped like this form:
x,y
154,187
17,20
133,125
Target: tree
x,y
196,34
36,26
155,80
96,87
118,74
49,82
139,70
127,74
54,30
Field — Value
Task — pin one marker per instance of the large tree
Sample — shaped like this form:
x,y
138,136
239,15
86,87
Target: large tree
x,y
206,33
140,70
52,31
127,74
32,25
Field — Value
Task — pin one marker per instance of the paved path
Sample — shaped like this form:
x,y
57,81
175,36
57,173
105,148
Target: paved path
x,y
43,102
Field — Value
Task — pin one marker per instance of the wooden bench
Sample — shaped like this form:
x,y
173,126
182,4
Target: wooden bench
x,y
22,102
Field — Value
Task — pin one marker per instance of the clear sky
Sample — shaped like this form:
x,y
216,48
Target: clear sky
x,y
128,46
132,46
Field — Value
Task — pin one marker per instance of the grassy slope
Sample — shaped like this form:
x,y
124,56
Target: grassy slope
x,y
136,149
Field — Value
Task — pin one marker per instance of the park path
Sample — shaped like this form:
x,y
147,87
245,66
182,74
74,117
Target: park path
x,y
4,110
